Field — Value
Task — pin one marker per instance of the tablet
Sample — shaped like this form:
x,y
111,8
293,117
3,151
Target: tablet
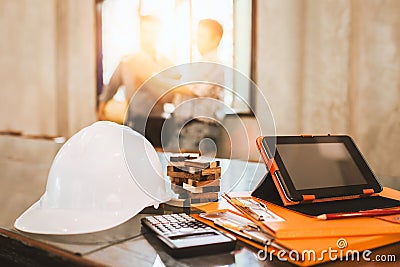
x,y
318,167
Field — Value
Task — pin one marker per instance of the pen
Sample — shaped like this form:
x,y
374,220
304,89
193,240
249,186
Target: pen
x,y
367,213
239,205
252,211
263,228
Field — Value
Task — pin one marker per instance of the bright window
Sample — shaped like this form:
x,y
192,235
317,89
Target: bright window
x,y
120,33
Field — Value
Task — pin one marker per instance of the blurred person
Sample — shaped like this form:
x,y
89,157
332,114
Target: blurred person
x,y
209,35
203,115
132,72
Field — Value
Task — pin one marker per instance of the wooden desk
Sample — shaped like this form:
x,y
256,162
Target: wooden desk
x,y
25,163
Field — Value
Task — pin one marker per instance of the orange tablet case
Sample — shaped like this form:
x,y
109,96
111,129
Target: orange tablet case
x,y
273,167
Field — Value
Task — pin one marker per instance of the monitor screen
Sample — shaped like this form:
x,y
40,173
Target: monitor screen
x,y
320,165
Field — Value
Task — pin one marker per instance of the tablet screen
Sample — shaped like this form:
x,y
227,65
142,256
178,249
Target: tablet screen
x,y
320,165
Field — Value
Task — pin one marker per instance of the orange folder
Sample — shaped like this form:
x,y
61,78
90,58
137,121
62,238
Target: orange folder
x,y
312,251
308,235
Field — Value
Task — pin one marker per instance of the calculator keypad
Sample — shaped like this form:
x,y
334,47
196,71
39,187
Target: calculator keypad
x,y
176,225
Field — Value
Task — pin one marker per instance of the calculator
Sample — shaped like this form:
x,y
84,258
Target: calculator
x,y
184,236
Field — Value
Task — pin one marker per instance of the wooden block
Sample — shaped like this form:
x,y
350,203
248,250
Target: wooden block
x,y
170,168
210,171
209,195
179,202
201,163
182,175
183,157
177,181
191,170
178,164
194,176
195,183
201,178
173,169
201,189
195,170
205,177
182,192
202,200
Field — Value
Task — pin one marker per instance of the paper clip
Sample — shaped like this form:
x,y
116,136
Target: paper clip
x,y
256,209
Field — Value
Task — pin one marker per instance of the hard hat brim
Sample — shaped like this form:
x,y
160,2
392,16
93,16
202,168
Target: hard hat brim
x,y
55,221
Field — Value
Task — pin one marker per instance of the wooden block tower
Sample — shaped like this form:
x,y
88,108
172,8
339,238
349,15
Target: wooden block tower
x,y
196,179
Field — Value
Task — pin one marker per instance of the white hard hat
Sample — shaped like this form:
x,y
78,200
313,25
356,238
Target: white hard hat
x,y
102,176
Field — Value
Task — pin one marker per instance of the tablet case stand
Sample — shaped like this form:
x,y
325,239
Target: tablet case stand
x,y
267,191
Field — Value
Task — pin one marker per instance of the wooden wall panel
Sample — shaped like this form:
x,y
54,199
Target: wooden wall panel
x,y
278,60
27,65
346,78
47,66
377,76
325,67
